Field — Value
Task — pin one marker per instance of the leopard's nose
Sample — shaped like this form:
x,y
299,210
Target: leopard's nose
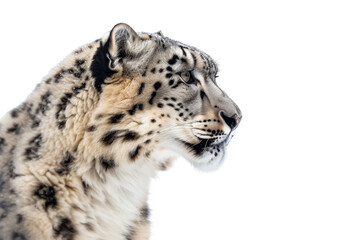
x,y
232,121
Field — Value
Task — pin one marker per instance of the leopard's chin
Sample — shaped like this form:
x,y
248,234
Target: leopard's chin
x,y
209,163
204,155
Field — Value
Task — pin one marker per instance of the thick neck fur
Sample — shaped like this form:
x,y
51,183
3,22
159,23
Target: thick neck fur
x,y
57,116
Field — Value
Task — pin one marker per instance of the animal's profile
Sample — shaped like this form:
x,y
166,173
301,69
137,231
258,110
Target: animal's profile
x,y
77,157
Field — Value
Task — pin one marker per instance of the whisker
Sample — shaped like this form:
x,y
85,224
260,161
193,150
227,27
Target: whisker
x,y
168,129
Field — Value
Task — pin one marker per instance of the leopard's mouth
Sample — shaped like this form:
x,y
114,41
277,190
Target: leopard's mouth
x,y
205,154
206,145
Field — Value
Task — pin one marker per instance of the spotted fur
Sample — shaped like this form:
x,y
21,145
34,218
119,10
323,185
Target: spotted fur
x,y
76,158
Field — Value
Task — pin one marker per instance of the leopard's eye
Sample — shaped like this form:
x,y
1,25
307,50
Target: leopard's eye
x,y
188,78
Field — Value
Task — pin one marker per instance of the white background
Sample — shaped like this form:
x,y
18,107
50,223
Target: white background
x,y
293,67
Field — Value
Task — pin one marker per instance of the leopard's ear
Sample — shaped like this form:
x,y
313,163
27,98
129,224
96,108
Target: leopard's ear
x,y
122,43
127,51
121,52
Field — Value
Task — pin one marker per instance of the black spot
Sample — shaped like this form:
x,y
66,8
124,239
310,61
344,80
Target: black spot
x,y
99,116
65,229
181,114
17,236
132,111
202,94
130,234
47,193
171,82
79,73
59,76
173,99
173,60
183,60
169,69
80,50
141,88
79,62
153,94
70,71
161,70
109,137
85,186
14,113
66,163
116,118
2,144
170,105
163,167
153,70
27,107
134,153
107,163
31,152
76,90
130,136
61,124
91,128
168,75
5,208
141,106
88,226
157,85
153,120
36,123
14,129
145,212
60,114
100,66
44,104
160,105
19,218
10,170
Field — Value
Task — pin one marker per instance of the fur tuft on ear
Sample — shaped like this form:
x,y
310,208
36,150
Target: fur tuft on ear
x,y
121,52
127,51
122,40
